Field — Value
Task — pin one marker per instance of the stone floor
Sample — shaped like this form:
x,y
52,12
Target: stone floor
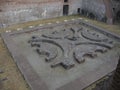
x,y
11,77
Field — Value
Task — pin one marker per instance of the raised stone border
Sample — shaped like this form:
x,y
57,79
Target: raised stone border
x,y
32,77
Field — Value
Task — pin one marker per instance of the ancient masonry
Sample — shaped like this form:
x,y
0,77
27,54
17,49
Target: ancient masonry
x,y
19,11
66,40
63,56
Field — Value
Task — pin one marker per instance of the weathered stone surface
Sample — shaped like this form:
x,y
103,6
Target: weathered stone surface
x,y
50,53
92,36
67,63
96,8
67,40
72,63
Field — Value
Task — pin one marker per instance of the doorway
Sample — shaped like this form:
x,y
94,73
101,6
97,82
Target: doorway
x,y
78,10
118,15
65,10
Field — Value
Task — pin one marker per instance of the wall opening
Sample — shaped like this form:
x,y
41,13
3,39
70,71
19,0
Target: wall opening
x,y
65,0
78,10
65,9
118,16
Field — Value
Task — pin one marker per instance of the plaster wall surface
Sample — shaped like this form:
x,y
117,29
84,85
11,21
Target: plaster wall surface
x,y
22,12
19,11
27,10
74,5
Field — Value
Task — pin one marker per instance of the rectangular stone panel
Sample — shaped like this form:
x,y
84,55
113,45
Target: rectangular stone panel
x,y
65,56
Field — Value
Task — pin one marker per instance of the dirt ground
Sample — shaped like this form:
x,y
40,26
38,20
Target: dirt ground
x,y
10,76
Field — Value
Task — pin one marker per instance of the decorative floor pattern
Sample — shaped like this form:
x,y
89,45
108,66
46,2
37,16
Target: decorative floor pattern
x,y
59,56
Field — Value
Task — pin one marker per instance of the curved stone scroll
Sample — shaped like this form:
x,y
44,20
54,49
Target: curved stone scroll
x,y
43,47
67,63
92,36
79,55
100,49
70,34
50,53
49,49
102,44
58,34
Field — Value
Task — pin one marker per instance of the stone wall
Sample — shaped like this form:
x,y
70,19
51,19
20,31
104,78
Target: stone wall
x,y
20,11
116,9
74,5
96,7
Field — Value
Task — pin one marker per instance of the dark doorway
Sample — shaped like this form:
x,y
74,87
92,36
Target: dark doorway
x,y
65,9
118,16
78,10
65,0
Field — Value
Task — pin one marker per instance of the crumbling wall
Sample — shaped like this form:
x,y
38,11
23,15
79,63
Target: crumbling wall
x,y
19,11
74,5
15,12
116,9
95,8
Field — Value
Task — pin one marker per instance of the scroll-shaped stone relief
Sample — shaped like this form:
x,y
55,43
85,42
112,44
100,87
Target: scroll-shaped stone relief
x,y
68,40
